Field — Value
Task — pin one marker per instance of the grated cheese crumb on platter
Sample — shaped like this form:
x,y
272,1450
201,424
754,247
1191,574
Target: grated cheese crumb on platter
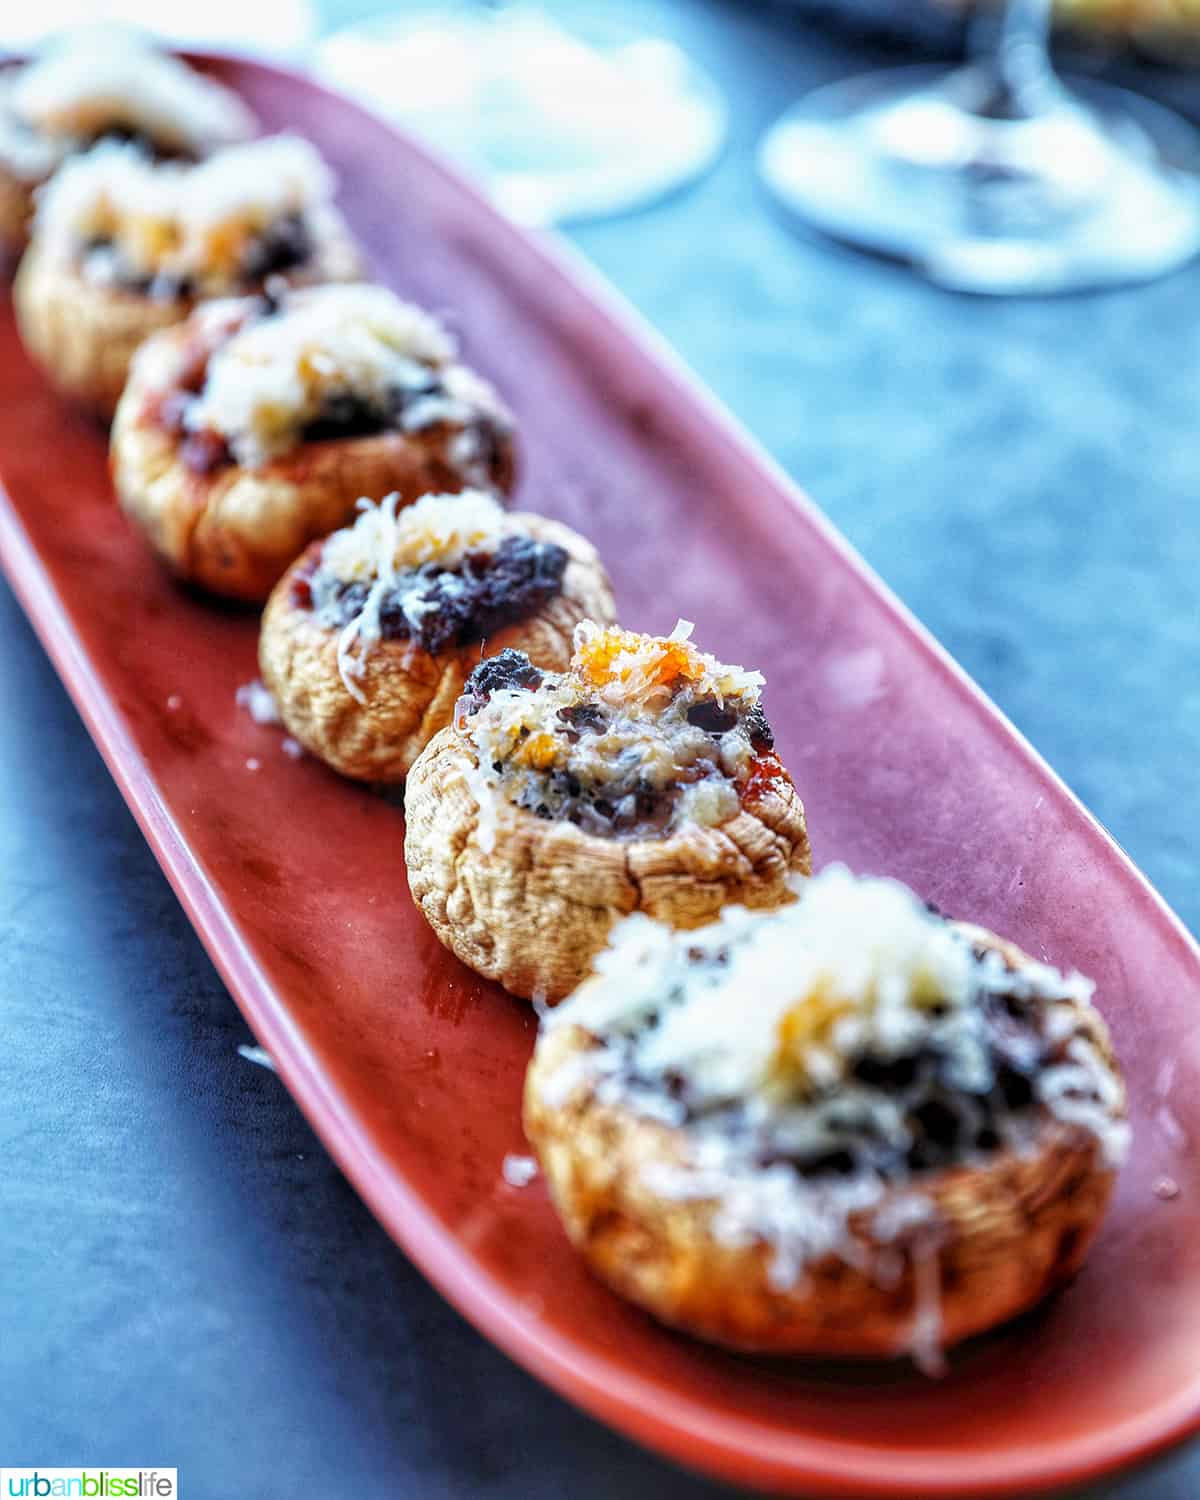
x,y
387,541
171,219
108,78
518,1171
257,1055
748,1035
276,374
255,697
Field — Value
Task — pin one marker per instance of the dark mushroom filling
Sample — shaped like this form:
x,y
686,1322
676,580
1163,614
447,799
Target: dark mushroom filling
x,y
508,670
439,608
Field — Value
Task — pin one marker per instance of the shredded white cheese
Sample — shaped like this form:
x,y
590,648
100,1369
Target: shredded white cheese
x,y
1084,1092
801,1224
639,671
441,529
924,1342
483,791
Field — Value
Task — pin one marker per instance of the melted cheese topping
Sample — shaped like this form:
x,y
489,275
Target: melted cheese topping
x,y
646,685
189,223
386,542
856,966
278,373
103,79
749,1036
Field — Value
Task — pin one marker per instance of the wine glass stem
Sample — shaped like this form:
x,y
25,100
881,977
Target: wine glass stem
x,y
1014,55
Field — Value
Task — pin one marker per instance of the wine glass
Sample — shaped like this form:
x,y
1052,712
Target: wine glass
x,y
560,124
995,177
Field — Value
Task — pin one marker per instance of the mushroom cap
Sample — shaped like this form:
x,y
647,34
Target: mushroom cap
x,y
1011,1229
235,531
534,910
409,694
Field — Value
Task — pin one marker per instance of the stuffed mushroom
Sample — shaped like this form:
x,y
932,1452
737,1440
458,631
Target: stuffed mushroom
x,y
369,638
123,246
846,1128
641,778
256,426
98,84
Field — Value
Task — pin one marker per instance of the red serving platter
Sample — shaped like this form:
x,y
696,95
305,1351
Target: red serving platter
x,y
410,1068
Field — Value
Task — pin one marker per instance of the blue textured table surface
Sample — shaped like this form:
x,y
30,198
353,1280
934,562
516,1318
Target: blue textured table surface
x,y
185,1278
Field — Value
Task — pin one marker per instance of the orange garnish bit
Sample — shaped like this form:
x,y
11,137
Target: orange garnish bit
x,y
539,751
224,245
808,1023
669,661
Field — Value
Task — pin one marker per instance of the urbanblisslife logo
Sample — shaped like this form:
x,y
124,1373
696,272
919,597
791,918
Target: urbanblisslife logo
x,y
90,1484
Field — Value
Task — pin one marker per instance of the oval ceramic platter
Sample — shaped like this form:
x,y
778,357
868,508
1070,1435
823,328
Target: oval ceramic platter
x,y
410,1068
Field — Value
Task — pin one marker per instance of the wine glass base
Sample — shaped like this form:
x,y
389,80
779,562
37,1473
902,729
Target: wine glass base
x,y
1091,192
557,128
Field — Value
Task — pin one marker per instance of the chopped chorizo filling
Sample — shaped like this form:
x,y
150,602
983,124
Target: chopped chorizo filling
x,y
641,735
